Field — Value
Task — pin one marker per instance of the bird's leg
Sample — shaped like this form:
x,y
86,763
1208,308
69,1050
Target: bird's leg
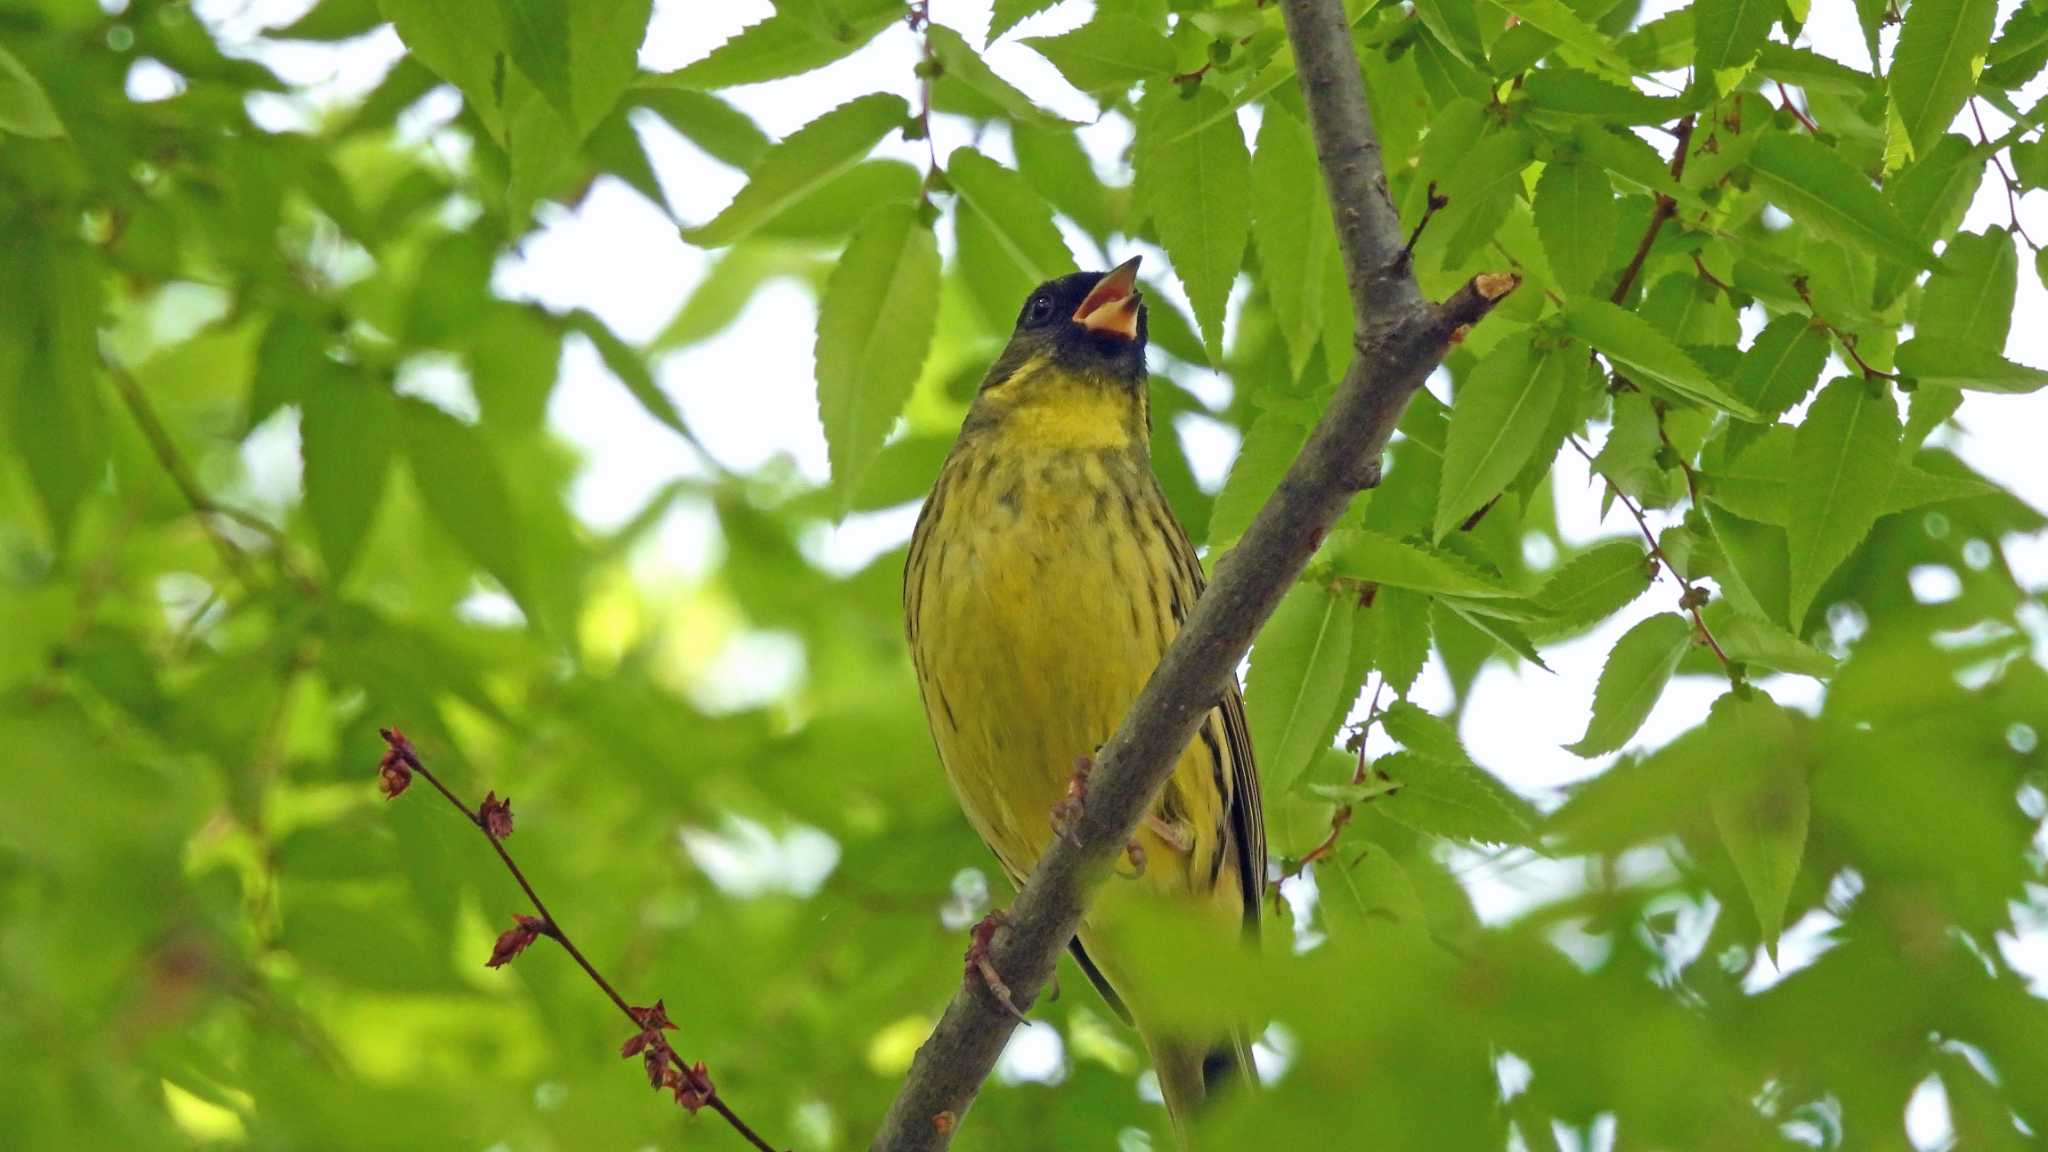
x,y
979,965
1066,815
1177,836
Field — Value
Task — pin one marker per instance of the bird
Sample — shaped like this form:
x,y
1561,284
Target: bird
x,y
1045,578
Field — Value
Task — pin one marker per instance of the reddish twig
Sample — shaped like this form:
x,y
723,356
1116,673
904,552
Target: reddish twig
x,y
1666,208
1342,816
2005,176
1690,598
1795,110
1433,204
689,1083
1845,338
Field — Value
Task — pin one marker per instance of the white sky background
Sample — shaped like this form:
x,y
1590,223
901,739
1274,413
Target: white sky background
x,y
749,392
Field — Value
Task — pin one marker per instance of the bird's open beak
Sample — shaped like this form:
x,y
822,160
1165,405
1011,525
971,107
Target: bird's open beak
x,y
1113,305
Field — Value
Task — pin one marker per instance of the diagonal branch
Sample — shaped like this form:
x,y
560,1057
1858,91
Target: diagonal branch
x,y
1401,339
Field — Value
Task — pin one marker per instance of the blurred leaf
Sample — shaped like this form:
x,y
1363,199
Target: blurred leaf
x,y
802,163
1291,223
537,39
1052,159
1010,13
1759,800
874,328
24,109
1575,93
348,433
1499,415
463,486
724,133
968,86
1558,19
1631,681
1198,191
1576,217
1934,68
53,288
1007,241
783,45
1728,33
1269,448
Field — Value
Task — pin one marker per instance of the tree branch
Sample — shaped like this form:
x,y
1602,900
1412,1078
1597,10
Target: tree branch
x,y
689,1083
1401,339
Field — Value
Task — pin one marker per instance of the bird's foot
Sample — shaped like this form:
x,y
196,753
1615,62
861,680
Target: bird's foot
x,y
978,963
1136,852
1066,815
1179,837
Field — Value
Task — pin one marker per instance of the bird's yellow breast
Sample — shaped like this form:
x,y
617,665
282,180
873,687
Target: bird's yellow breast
x,y
1046,579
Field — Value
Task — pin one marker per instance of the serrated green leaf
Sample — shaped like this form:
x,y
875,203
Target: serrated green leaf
x,y
1108,54
1455,800
724,133
1576,218
1007,14
1934,68
1198,193
1455,24
1633,345
1008,244
1728,33
1843,459
805,161
1570,92
1558,19
1500,626
779,46
1398,620
1053,160
1373,557
2021,48
1758,642
463,486
1269,447
1781,367
1424,733
1818,188
1296,681
1970,301
1291,224
1596,584
537,40
968,86
1760,802
1631,681
25,109
347,429
1953,364
1813,71
1499,414
2030,162
874,329
1480,190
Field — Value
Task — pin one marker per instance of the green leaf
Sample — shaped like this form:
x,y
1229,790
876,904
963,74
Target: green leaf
x,y
1481,189
464,488
331,20
801,164
1728,33
630,367
1781,367
1843,459
1812,71
1576,217
1008,244
1455,25
1358,554
1760,802
782,45
1198,192
57,420
2030,162
1499,415
1291,223
1296,680
347,432
1056,164
1970,301
537,39
1269,447
24,108
1596,584
463,45
1631,681
1010,13
1934,67
1574,93
1456,800
986,94
1108,54
874,328
2021,49
1424,733
1399,623
724,132
1758,642
1633,345
1559,20
1818,188
1952,364
1500,625
725,289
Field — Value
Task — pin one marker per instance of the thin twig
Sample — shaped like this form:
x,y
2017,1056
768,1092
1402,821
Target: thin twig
x,y
403,753
166,451
1666,208
1845,338
1690,598
1795,110
2005,176
1342,816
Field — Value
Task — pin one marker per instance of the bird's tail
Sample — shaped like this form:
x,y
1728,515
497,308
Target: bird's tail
x,y
1190,1073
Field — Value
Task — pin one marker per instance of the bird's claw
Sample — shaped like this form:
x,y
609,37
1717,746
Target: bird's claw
x,y
1136,852
979,965
1177,836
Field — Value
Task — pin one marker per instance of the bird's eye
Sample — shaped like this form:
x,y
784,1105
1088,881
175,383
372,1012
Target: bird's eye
x,y
1039,310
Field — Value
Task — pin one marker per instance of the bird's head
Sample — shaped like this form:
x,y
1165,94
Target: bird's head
x,y
1079,344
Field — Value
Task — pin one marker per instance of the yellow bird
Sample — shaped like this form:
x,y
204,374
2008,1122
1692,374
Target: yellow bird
x,y
1046,577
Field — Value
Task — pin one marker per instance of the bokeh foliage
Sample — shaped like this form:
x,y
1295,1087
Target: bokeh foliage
x,y
212,930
